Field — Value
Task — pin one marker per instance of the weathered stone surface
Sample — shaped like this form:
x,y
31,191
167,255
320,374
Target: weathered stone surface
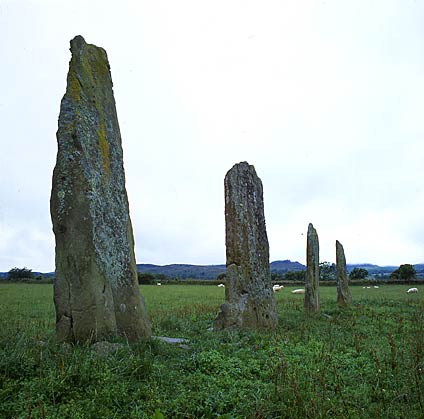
x,y
96,291
343,292
249,298
312,272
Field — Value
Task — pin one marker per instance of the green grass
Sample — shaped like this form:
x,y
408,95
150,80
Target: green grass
x,y
366,361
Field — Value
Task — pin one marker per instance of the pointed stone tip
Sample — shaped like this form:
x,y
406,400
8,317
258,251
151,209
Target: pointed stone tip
x,y
77,41
243,166
312,231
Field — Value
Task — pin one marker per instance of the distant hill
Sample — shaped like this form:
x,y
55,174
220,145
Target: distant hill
x,y
419,267
209,271
184,271
282,266
372,269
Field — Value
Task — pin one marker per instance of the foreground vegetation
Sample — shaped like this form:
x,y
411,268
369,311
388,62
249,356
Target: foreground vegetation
x,y
362,362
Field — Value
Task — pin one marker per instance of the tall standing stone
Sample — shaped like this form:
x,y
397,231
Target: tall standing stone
x,y
312,272
249,298
96,290
343,293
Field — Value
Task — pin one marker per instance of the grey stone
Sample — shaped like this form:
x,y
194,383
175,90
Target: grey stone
x,y
96,291
249,297
172,341
312,272
343,293
180,342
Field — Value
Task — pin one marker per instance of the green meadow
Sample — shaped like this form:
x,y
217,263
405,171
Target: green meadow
x,y
366,361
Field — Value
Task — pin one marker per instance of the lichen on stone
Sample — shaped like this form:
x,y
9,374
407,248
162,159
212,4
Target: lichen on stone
x,y
249,298
312,297
344,297
73,87
95,261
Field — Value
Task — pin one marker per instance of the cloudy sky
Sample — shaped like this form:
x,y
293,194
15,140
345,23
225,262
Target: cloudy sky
x,y
324,98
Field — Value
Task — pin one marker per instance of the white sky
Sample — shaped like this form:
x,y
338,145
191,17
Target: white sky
x,y
324,98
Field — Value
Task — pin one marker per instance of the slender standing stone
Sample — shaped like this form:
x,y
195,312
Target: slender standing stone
x,y
312,272
249,298
343,293
96,290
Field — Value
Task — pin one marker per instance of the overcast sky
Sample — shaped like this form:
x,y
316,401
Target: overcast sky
x,y
324,98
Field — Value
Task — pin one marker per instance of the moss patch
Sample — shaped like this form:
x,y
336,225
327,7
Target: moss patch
x,y
74,87
89,81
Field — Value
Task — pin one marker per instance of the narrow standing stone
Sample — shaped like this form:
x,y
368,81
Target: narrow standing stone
x,y
343,293
96,290
312,272
249,298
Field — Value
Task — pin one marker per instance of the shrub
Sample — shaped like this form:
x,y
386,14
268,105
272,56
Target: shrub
x,y
358,273
327,271
294,276
20,273
221,277
404,272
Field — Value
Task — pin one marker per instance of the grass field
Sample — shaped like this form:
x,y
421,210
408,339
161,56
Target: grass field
x,y
366,361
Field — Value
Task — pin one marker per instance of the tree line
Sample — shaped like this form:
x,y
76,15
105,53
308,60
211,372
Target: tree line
x,y
327,271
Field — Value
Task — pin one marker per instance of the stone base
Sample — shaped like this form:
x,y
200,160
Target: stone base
x,y
247,315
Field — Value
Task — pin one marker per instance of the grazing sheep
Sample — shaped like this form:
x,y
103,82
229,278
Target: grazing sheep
x,y
277,288
412,290
159,283
299,291
375,286
221,285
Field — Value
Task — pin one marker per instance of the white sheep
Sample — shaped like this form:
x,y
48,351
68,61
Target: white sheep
x,y
159,284
277,288
412,290
299,291
375,286
221,285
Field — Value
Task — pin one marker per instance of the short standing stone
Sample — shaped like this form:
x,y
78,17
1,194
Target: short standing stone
x,y
343,292
312,272
96,290
249,297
